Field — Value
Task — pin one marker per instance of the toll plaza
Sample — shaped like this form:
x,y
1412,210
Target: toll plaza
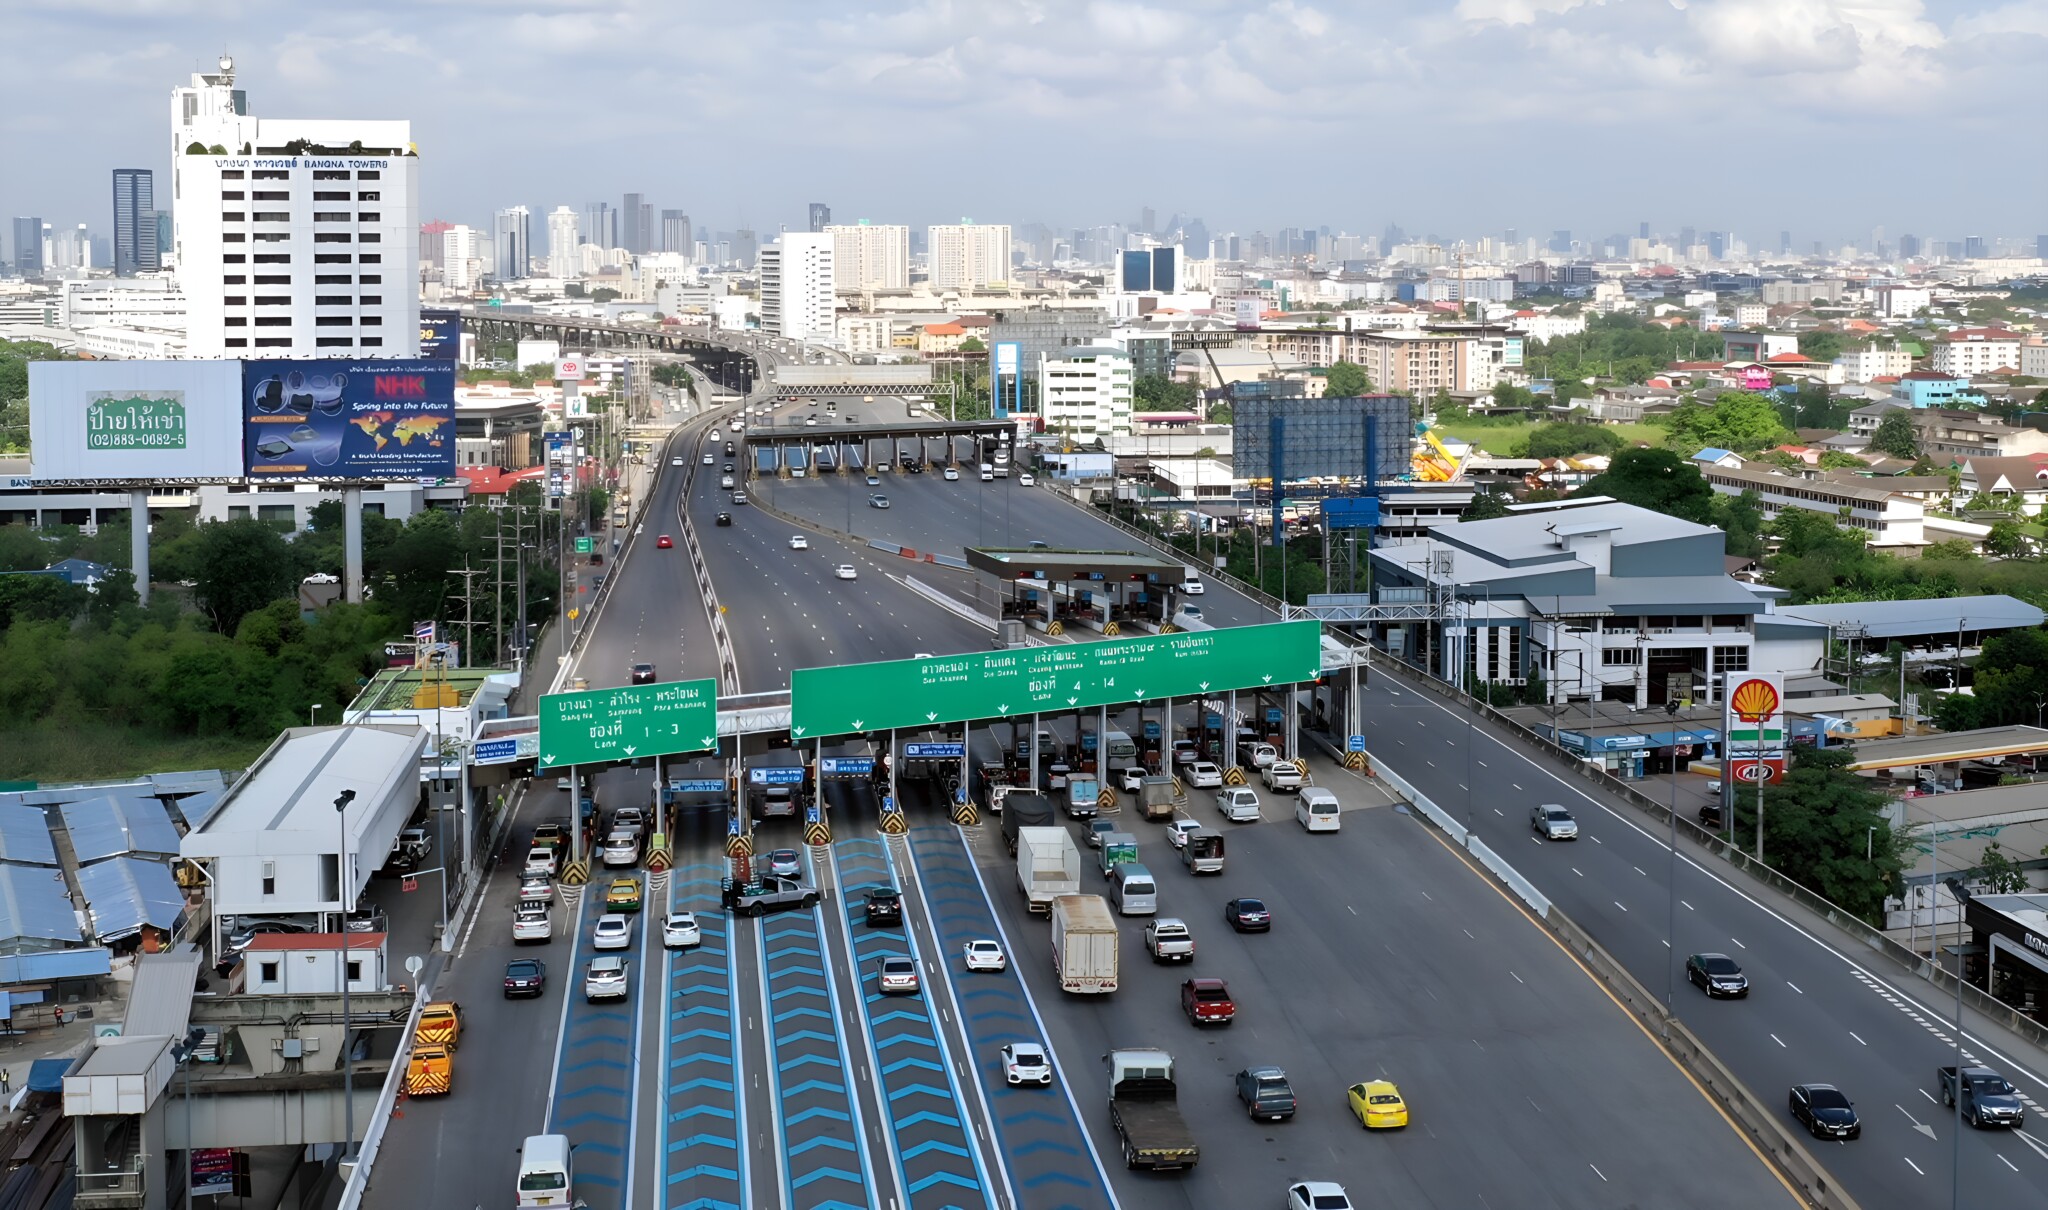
x,y
1108,592
801,448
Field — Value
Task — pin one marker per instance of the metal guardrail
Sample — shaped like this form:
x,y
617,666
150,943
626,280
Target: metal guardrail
x,y
387,1098
1846,923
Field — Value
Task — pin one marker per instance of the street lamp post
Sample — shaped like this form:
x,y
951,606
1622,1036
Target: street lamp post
x,y
348,1063
313,717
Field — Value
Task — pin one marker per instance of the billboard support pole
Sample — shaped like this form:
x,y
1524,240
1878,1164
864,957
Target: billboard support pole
x,y
352,543
138,541
1278,430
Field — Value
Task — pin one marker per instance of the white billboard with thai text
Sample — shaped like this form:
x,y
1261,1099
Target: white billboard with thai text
x,y
135,421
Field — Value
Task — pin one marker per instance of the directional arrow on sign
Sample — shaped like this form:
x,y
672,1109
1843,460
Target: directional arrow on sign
x,y
1205,684
1072,700
856,723
797,731
931,716
1140,695
1002,707
630,749
547,760
710,741
1268,678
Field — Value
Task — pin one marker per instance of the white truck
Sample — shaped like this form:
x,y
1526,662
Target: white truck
x,y
1084,944
1048,865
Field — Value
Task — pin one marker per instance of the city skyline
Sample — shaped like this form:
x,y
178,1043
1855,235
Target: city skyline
x,y
869,112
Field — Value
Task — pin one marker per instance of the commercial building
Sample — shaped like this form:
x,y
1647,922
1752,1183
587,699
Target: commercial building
x,y
1599,599
869,256
1930,388
820,217
636,223
512,243
461,266
1973,351
796,286
134,222
1148,271
294,238
1085,392
28,246
565,235
967,256
675,233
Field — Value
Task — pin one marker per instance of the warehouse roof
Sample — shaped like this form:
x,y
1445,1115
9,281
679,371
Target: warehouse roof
x,y
1933,616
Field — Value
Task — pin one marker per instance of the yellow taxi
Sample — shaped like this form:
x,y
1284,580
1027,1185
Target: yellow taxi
x,y
623,895
1377,1105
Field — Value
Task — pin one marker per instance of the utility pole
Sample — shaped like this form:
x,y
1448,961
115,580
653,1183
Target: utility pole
x,y
468,622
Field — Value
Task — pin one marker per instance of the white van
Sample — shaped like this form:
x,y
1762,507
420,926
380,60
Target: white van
x,y
547,1171
1316,810
1118,748
1137,893
1191,582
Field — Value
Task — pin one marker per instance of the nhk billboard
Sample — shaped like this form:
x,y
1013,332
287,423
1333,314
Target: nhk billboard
x,y
349,419
135,420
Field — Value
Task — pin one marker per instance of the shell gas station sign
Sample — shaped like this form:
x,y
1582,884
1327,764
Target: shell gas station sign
x,y
1753,720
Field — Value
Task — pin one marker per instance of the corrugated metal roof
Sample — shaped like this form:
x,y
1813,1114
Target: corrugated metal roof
x,y
34,914
108,826
1933,616
160,1001
125,893
25,836
1635,594
55,964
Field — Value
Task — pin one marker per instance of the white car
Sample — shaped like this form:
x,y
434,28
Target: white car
x,y
1027,479
985,956
1025,1063
799,542
1262,755
532,924
1282,775
1553,822
1130,779
846,571
988,476
1177,832
1317,1195
613,932
680,931
678,461
708,460
952,475
605,979
321,577
1204,775
1238,804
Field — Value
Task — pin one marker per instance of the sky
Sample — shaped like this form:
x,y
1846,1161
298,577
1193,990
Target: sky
x,y
1453,117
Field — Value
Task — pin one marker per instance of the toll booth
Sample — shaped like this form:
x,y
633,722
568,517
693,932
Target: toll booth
x,y
778,784
1101,591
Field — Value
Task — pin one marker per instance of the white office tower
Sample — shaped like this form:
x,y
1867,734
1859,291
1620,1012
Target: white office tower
x,y
512,243
1085,391
796,286
461,260
869,256
293,238
965,256
565,235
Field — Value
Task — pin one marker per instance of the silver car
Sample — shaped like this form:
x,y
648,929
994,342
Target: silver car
x,y
605,979
1553,822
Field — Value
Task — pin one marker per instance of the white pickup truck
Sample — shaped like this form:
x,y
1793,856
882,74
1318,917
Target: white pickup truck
x,y
1167,939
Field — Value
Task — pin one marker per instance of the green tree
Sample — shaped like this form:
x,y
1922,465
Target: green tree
x,y
672,374
1820,346
1737,420
1896,435
1346,379
1950,548
241,566
1658,480
1508,395
1484,507
2001,874
1836,460
973,344
1741,518
1564,440
1817,824
603,294
1153,393
2006,540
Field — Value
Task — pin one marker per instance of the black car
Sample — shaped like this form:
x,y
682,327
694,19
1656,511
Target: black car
x,y
643,674
1265,1093
725,518
728,449
728,468
1248,915
1717,975
525,977
1826,1111
884,905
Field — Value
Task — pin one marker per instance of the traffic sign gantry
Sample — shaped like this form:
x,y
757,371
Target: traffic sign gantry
x,y
594,725
1070,676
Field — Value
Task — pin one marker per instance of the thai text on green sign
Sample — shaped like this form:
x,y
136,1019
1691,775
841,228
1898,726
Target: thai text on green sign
x,y
594,725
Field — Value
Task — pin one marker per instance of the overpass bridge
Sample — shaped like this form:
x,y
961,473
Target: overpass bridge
x,y
732,367
771,448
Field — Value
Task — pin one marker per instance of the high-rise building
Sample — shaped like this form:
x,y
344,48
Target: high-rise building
x,y
1085,391
512,242
67,248
746,248
160,226
796,286
636,220
869,256
675,232
1148,220
1561,241
301,240
821,217
2040,247
1909,246
134,222
1785,243
1149,271
564,234
1717,244
967,256
461,259
28,246
431,244
600,225
1643,229
1687,237
1975,248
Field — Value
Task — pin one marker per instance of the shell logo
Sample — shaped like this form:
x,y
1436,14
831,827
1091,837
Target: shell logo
x,y
1754,701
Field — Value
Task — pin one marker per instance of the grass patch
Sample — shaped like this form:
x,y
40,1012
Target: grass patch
x,y
50,755
1497,439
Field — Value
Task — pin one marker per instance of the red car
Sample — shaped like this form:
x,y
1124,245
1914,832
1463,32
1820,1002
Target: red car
x,y
1207,1002
664,542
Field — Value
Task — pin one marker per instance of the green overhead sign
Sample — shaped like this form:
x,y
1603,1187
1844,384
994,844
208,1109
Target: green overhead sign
x,y
591,726
1068,676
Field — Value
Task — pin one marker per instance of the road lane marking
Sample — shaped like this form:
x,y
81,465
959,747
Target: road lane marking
x,y
1518,979
1640,870
2008,1163
1915,1167
1688,907
1575,870
1853,1034
1793,986
1780,1041
1623,906
1598,1173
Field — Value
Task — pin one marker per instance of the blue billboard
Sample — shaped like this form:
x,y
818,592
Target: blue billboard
x,y
440,334
349,418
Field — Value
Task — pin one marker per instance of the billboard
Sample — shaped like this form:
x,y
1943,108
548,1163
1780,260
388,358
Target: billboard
x,y
349,418
440,334
135,421
1006,378
1753,721
561,462
1321,437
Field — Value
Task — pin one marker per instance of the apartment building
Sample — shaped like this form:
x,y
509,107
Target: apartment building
x,y
796,286
869,256
1890,520
293,238
1973,351
1877,361
966,256
1414,362
1085,392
